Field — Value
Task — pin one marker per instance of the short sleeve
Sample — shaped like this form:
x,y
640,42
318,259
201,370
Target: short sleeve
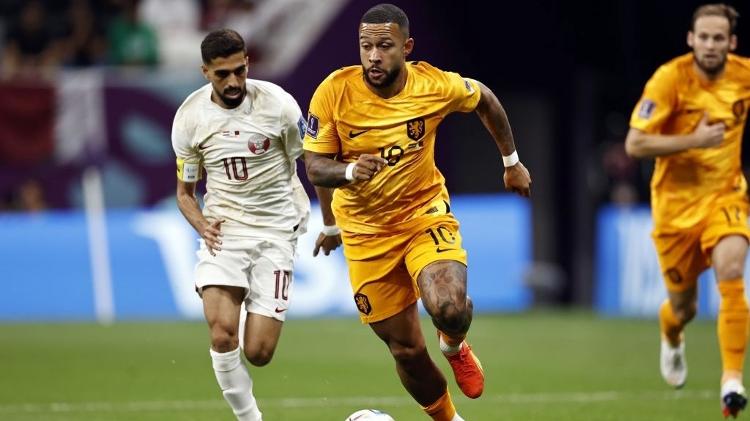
x,y
321,135
292,127
658,101
463,94
188,159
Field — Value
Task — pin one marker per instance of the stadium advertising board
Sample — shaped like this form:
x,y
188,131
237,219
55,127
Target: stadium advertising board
x,y
50,271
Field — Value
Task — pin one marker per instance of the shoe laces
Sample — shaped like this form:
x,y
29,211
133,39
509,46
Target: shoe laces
x,y
676,360
464,362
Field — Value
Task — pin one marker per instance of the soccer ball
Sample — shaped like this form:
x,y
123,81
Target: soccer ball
x,y
369,415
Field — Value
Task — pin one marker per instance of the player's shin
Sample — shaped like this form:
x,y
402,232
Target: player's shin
x,y
235,384
443,409
671,327
733,325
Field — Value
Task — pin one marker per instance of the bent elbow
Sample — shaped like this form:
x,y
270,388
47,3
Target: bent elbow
x,y
312,171
631,150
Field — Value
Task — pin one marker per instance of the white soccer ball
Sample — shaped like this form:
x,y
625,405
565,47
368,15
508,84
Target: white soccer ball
x,y
369,415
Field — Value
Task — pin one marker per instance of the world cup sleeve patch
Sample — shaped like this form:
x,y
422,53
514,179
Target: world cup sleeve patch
x,y
302,126
312,126
647,109
469,86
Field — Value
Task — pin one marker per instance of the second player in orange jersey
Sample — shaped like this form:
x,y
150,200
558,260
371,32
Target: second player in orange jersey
x,y
691,118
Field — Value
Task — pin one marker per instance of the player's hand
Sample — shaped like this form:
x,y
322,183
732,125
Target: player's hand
x,y
326,242
517,179
211,234
708,135
367,166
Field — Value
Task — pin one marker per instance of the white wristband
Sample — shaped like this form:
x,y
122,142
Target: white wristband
x,y
330,230
350,171
510,160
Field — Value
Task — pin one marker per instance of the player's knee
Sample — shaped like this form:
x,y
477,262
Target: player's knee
x,y
408,354
259,356
730,270
685,313
223,340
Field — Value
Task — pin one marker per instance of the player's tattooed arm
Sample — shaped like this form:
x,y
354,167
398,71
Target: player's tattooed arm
x,y
494,118
210,231
324,171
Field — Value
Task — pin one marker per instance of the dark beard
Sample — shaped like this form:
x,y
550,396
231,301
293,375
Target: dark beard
x,y
711,71
390,77
231,102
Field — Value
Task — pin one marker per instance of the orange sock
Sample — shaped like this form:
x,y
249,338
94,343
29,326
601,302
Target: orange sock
x,y
670,326
732,324
442,409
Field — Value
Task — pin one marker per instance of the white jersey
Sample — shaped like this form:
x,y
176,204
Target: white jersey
x,y
249,154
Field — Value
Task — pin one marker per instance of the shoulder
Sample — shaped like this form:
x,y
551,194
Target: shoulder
x,y
739,66
424,70
268,91
194,106
337,80
675,68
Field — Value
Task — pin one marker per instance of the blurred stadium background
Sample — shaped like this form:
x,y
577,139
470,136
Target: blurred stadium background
x,y
91,232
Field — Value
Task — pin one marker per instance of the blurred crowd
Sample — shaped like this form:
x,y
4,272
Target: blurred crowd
x,y
41,36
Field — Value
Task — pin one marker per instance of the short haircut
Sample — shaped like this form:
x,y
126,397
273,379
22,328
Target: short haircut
x,y
221,43
717,9
387,13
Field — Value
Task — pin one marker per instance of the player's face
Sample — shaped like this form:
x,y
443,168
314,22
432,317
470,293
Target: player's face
x,y
382,49
227,76
711,42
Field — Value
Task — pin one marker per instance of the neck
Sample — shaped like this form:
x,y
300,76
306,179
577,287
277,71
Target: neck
x,y
393,89
710,77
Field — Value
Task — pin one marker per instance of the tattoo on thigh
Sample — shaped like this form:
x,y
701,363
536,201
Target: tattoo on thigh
x,y
443,286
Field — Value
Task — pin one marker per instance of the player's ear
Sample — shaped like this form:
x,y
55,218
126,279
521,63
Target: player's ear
x,y
408,46
690,39
204,70
732,42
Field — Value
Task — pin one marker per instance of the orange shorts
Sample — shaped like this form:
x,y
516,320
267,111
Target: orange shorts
x,y
383,269
684,255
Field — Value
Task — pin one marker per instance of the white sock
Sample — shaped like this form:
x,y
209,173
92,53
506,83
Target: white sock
x,y
235,384
448,349
457,418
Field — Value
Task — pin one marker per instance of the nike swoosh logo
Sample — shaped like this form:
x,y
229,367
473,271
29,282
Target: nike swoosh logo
x,y
439,250
280,310
353,134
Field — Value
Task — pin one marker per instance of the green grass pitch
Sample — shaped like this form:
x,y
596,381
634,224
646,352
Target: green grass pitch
x,y
552,366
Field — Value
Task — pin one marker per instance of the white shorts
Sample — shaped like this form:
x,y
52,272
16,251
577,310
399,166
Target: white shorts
x,y
262,267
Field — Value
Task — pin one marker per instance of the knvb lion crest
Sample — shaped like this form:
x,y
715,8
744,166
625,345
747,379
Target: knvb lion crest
x,y
363,303
674,275
415,128
738,109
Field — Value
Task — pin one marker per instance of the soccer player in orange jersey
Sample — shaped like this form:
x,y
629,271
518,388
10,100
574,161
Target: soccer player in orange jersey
x,y
691,118
372,138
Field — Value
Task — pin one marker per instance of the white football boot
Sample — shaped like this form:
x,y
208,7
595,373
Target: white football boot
x,y
673,363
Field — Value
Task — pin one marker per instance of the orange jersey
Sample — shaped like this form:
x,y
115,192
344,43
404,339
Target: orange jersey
x,y
685,185
348,119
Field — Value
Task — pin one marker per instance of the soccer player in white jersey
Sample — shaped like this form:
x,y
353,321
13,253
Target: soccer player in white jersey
x,y
246,134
